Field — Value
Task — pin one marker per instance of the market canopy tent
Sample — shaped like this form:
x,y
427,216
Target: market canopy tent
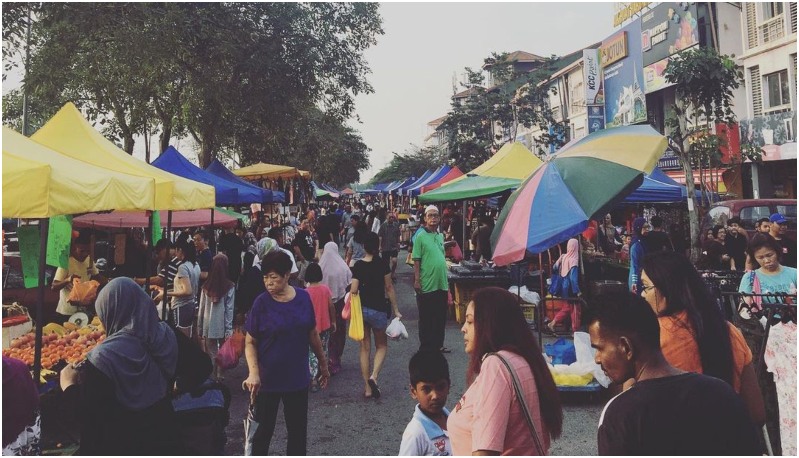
x,y
657,188
502,172
455,172
399,184
404,189
173,162
216,168
263,171
435,176
183,218
39,182
70,134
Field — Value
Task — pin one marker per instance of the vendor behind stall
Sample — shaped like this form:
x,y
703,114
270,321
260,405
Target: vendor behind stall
x,y
80,266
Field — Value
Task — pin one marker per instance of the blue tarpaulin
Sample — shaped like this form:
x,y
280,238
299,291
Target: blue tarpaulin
x,y
403,189
173,162
435,176
657,188
217,169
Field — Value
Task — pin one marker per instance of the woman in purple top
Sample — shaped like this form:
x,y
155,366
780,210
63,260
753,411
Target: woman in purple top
x,y
280,327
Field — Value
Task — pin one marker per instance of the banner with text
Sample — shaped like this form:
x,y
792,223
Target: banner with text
x,y
625,102
592,72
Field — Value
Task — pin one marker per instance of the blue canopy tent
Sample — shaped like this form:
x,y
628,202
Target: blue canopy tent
x,y
404,189
172,161
657,188
399,184
415,190
216,168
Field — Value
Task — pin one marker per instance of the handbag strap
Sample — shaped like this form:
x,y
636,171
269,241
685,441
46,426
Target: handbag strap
x,y
520,396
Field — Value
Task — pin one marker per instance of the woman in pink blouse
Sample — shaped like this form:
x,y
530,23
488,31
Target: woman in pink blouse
x,y
489,419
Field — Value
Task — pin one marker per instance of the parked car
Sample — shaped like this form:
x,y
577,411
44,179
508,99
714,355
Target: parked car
x,y
751,210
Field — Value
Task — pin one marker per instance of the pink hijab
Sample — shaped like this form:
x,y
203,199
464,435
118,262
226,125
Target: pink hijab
x,y
571,258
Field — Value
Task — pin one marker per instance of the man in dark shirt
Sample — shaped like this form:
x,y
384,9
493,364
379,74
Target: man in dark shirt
x,y
714,254
304,245
736,243
657,239
778,230
666,411
204,256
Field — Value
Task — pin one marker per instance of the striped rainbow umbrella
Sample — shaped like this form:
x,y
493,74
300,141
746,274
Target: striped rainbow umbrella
x,y
581,180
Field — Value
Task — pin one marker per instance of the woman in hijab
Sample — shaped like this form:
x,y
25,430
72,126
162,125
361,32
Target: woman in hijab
x,y
121,391
636,256
565,284
337,276
215,320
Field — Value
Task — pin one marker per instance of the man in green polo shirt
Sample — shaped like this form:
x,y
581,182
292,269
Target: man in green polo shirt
x,y
430,282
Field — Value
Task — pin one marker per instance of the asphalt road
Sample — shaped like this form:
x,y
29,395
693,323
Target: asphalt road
x,y
342,422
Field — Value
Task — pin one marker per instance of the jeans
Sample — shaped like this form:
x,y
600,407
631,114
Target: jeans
x,y
295,412
432,319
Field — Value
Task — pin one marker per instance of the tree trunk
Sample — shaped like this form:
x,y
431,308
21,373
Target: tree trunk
x,y
128,143
166,136
693,217
206,153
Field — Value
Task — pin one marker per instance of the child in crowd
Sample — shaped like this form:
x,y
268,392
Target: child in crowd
x,y
325,313
426,433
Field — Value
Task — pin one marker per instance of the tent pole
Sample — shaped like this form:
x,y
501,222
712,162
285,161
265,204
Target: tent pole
x,y
148,237
44,227
165,301
213,236
464,247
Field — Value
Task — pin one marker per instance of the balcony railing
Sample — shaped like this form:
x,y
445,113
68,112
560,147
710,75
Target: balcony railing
x,y
772,30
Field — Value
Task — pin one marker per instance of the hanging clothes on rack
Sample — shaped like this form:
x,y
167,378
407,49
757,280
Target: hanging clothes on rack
x,y
780,359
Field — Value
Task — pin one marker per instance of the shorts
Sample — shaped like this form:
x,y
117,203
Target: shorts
x,y
389,254
375,318
183,316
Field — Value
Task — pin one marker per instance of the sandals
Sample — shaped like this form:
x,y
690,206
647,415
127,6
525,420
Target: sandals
x,y
375,388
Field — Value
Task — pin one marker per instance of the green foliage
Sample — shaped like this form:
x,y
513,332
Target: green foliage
x,y
236,77
411,164
478,124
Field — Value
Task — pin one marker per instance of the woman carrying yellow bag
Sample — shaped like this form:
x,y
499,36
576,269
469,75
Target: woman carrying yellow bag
x,y
371,283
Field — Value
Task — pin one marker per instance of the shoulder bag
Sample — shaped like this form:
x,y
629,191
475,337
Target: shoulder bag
x,y
520,396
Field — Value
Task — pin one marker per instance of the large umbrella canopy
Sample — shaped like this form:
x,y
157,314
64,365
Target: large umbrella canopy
x,y
39,182
173,162
455,172
184,218
502,172
70,134
581,180
216,168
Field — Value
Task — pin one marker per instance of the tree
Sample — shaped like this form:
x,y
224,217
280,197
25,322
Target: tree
x,y
704,81
482,118
413,163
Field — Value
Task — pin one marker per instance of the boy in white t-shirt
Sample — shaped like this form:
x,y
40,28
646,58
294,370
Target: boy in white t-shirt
x,y
426,433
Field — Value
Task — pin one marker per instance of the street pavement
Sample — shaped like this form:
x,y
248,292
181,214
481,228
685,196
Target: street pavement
x,y
342,422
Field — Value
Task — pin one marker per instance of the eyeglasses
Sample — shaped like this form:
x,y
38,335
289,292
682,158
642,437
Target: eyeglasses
x,y
647,288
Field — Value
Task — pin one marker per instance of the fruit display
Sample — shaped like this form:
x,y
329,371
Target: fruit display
x,y
59,343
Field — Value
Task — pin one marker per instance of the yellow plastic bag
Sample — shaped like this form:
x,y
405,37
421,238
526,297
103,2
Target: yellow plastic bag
x,y
356,318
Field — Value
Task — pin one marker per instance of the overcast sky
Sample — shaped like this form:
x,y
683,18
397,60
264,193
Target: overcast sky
x,y
426,43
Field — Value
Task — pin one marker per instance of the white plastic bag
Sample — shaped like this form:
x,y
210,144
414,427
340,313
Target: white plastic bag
x,y
396,330
585,358
529,297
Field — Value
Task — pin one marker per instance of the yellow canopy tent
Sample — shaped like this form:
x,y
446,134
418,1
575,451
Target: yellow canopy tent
x,y
39,182
513,160
261,171
70,134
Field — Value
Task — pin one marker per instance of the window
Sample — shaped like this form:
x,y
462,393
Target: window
x,y
720,215
777,89
750,215
789,212
771,9
757,95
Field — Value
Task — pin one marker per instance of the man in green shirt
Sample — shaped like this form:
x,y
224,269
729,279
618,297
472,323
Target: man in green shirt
x,y
430,282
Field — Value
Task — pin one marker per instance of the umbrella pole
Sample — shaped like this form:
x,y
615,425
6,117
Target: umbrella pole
x,y
44,227
165,300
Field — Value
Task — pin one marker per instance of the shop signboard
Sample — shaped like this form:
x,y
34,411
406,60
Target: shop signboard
x,y
596,118
592,72
625,102
666,30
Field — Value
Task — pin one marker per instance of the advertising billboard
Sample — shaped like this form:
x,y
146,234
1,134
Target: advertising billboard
x,y
596,118
625,102
668,29
594,93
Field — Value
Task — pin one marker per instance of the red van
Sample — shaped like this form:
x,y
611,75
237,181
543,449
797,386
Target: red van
x,y
751,210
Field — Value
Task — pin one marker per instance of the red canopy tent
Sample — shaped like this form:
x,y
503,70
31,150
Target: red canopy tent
x,y
451,175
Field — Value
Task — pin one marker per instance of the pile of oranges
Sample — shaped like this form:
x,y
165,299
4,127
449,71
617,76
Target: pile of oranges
x,y
71,347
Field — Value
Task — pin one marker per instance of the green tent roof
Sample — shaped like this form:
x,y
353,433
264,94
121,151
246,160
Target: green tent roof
x,y
470,187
